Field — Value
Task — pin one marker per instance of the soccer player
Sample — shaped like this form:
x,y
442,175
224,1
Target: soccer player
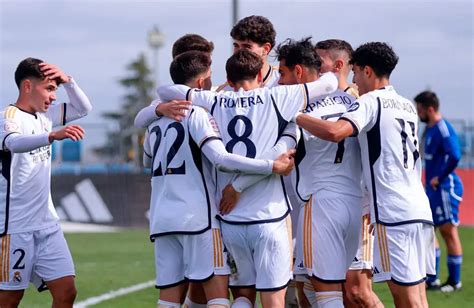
x,y
255,232
257,34
443,186
335,55
188,245
386,126
176,109
32,243
328,180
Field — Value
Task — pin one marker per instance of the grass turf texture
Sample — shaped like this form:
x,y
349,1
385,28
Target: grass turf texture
x,y
110,261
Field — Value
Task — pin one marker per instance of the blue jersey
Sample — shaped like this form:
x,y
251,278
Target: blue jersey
x,y
442,154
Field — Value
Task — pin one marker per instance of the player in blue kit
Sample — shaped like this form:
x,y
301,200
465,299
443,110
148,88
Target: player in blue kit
x,y
443,186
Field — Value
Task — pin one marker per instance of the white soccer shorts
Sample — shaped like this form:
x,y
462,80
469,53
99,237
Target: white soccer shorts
x,y
299,268
331,228
196,257
262,254
404,254
364,256
34,256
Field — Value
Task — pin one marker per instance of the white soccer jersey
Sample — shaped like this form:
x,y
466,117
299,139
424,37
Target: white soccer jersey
x,y
386,124
270,80
327,168
183,189
251,123
25,181
25,199
182,199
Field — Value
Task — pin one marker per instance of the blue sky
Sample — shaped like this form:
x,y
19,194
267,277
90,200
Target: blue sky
x,y
95,40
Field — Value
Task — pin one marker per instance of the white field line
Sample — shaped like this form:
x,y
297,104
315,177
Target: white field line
x,y
113,294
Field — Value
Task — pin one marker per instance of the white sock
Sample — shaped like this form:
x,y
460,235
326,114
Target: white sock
x,y
242,302
188,303
331,299
218,303
165,304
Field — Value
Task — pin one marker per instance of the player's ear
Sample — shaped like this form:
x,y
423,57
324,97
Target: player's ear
x,y
26,85
298,69
200,83
368,71
338,65
267,47
259,77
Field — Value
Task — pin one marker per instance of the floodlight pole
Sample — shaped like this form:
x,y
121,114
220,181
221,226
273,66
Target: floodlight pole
x,y
156,40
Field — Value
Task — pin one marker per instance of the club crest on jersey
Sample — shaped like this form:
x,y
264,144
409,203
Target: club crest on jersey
x,y
17,277
353,107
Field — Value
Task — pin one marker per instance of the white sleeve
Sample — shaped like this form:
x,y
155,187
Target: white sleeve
x,y
147,115
78,106
326,84
147,155
18,143
215,151
287,141
205,133
13,140
201,98
362,114
295,98
170,92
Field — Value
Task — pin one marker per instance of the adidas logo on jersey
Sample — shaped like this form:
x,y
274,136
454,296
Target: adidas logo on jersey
x,y
353,107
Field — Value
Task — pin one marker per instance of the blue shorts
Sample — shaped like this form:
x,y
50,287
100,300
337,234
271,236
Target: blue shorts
x,y
445,204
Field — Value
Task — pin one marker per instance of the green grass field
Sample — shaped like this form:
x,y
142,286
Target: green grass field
x,y
110,261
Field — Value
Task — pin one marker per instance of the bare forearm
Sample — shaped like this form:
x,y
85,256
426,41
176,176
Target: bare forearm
x,y
326,130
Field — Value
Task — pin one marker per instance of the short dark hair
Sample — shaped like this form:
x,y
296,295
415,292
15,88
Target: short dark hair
x,y
335,44
257,29
27,68
191,42
299,52
243,65
189,65
428,99
379,56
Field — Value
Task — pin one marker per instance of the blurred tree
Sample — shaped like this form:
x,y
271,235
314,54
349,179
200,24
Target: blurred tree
x,y
124,144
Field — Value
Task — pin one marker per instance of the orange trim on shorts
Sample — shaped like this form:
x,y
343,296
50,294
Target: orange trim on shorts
x,y
218,257
307,235
383,247
366,239
5,260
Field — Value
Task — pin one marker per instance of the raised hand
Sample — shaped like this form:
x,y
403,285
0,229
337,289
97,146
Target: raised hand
x,y
284,163
73,132
53,72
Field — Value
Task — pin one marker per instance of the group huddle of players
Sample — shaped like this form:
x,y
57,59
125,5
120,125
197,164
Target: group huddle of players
x,y
234,167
